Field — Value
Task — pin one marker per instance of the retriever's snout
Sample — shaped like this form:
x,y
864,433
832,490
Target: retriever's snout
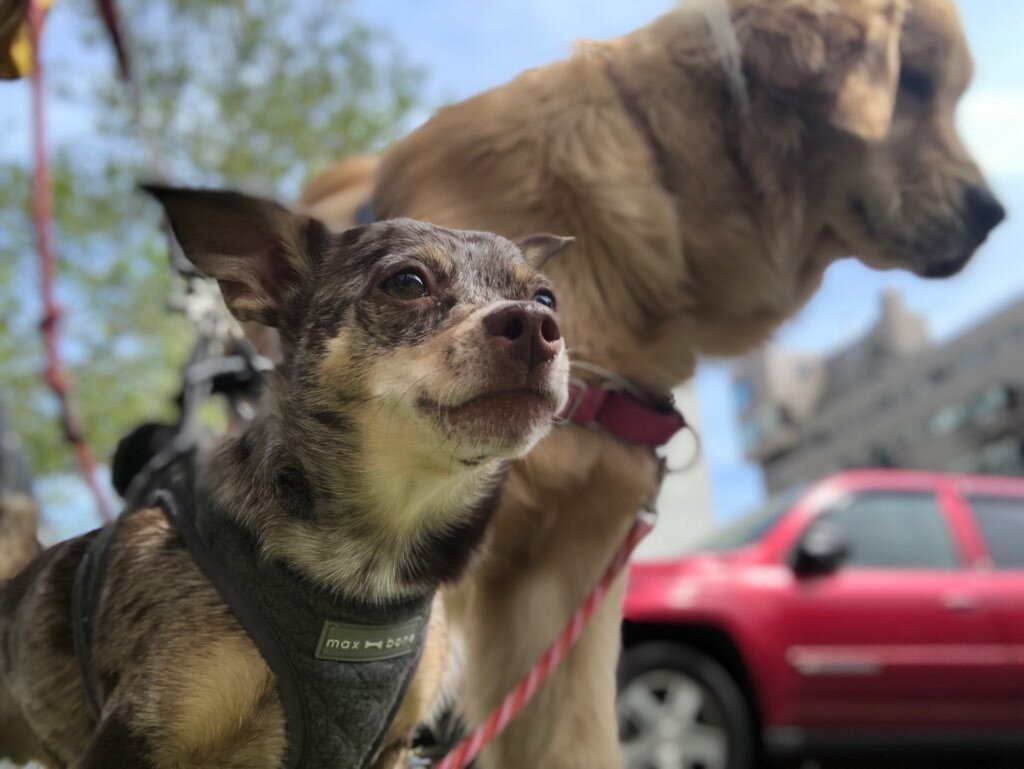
x,y
526,330
982,211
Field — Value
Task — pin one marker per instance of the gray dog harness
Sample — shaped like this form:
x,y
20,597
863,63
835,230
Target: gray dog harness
x,y
342,667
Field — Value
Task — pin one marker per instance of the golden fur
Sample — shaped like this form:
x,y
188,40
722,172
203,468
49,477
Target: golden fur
x,y
707,200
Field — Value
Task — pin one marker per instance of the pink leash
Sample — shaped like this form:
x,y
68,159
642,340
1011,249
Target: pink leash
x,y
42,203
517,699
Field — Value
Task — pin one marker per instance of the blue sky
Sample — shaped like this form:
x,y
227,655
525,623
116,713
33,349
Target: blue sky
x,y
468,46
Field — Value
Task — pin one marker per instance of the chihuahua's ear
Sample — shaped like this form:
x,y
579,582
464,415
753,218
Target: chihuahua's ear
x,y
837,61
541,246
256,249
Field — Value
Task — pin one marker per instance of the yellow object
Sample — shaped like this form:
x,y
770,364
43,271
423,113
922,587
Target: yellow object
x,y
15,42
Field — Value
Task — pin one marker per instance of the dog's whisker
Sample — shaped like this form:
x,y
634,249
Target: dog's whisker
x,y
402,397
451,459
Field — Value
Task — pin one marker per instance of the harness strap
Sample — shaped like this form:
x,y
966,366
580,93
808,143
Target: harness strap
x,y
85,599
291,699
341,667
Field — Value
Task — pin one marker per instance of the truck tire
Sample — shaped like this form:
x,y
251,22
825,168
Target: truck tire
x,y
680,709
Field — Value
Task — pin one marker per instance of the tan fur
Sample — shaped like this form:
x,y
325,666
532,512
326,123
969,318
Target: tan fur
x,y
18,546
18,543
208,695
763,168
338,192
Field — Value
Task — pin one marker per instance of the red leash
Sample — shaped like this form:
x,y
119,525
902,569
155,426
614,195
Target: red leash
x,y
633,416
523,692
43,211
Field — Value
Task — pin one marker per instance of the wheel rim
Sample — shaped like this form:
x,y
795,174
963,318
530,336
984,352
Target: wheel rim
x,y
668,720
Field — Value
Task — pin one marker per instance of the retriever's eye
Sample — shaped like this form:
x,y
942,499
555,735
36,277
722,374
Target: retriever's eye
x,y
406,285
545,297
915,83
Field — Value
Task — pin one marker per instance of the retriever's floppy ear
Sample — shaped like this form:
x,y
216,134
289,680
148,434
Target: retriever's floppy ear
x,y
541,246
837,59
256,249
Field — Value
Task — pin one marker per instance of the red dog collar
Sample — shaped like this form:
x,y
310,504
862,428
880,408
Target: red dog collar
x,y
625,415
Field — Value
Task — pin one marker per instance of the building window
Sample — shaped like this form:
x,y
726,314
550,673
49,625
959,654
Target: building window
x,y
992,402
947,420
1002,457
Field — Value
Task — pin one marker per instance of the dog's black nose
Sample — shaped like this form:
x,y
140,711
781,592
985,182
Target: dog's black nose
x,y
527,330
982,211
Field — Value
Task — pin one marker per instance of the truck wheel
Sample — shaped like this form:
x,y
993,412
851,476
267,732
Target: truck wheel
x,y
680,709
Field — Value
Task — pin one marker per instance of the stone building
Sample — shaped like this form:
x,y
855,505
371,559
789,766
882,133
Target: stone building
x,y
890,399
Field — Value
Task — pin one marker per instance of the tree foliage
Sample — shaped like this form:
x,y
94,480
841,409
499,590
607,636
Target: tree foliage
x,y
257,94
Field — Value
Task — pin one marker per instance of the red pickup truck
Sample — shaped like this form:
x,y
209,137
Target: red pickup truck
x,y
876,609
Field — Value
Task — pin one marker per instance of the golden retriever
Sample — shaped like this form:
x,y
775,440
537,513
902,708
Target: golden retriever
x,y
711,166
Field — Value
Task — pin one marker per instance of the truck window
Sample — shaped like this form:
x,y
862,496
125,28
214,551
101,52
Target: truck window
x,y
896,530
749,528
1001,520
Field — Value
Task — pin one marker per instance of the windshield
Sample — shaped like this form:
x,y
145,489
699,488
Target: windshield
x,y
749,528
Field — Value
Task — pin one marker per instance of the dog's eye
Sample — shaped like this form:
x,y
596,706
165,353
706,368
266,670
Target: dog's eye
x,y
545,297
406,285
916,83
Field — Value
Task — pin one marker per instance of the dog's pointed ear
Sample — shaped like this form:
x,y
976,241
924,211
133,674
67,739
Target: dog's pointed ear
x,y
541,246
838,61
256,249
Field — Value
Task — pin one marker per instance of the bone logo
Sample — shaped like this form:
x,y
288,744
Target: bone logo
x,y
367,643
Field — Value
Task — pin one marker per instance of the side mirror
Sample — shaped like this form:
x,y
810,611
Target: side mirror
x,y
822,548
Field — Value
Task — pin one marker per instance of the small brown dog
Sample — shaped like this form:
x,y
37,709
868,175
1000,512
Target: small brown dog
x,y
711,165
416,361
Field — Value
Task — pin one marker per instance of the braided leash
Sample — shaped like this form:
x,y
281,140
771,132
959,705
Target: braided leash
x,y
517,699
43,212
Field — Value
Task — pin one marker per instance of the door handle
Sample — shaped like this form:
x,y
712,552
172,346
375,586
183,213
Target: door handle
x,y
959,602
